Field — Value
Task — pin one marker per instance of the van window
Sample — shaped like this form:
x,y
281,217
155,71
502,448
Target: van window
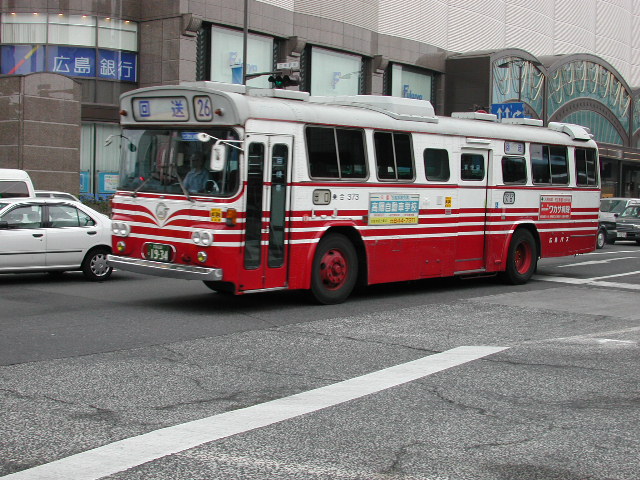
x,y
12,188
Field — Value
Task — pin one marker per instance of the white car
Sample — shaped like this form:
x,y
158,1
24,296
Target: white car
x,y
53,235
52,194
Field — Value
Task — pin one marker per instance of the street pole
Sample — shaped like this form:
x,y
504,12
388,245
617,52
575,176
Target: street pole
x,y
244,42
520,65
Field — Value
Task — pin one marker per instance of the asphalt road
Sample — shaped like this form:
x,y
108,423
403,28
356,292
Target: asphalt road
x,y
141,378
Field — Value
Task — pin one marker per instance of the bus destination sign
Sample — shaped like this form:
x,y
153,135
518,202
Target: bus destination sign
x,y
161,109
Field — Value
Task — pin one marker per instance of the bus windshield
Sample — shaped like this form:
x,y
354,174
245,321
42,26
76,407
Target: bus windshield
x,y
177,162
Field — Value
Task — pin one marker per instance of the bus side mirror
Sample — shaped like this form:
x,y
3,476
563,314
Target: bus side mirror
x,y
218,157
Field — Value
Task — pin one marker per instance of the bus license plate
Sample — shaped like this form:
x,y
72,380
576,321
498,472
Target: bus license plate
x,y
158,252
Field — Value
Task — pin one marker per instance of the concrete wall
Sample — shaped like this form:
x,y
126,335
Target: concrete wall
x,y
40,129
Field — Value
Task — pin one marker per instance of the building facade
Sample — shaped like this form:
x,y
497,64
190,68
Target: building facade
x,y
549,59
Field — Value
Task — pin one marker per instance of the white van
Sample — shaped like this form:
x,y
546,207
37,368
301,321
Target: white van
x,y
15,183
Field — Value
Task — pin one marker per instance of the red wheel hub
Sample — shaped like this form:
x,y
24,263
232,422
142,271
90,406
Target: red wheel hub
x,y
523,257
334,269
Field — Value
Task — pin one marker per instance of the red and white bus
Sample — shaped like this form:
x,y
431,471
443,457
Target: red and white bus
x,y
324,193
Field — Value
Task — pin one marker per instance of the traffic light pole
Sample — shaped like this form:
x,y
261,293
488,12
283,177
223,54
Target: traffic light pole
x,y
245,38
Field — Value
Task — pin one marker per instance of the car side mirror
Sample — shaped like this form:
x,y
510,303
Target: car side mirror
x,y
4,225
218,158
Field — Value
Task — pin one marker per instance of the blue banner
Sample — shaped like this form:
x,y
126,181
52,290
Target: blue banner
x,y
116,65
73,61
22,59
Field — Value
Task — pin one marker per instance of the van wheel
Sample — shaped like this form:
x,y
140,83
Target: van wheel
x,y
95,266
335,270
522,259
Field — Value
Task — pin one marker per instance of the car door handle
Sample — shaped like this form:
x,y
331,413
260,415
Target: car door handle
x,y
38,235
91,232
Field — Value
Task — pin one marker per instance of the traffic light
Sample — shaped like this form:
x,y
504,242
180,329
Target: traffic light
x,y
283,81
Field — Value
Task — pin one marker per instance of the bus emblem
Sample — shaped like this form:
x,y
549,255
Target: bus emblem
x,y
161,211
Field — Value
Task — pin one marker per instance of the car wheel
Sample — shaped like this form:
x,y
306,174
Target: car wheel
x,y
601,238
95,266
335,270
522,258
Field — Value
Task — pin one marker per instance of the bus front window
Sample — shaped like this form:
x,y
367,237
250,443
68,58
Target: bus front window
x,y
176,162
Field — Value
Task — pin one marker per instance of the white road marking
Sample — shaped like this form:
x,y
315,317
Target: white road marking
x,y
594,262
593,282
132,452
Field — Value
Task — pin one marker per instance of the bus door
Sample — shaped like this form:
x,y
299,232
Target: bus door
x,y
472,204
265,253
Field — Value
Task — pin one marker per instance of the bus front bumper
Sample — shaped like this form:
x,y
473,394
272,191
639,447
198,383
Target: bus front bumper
x,y
161,269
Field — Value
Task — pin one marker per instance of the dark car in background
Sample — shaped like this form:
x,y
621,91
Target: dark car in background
x,y
610,208
628,224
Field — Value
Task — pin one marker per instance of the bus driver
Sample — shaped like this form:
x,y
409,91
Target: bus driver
x,y
196,179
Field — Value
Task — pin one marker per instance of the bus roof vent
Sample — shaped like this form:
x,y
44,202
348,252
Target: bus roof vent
x,y
534,122
396,107
278,93
487,117
220,86
576,132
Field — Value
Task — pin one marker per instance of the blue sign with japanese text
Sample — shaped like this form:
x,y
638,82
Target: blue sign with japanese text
x,y
117,65
73,61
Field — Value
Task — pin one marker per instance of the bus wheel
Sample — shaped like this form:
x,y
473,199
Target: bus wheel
x,y
335,270
522,259
601,238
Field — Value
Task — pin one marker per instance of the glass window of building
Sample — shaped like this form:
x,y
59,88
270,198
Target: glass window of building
x,y
24,28
226,57
99,162
335,73
407,83
117,34
72,30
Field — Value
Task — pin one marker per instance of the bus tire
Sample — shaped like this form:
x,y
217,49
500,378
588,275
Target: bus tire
x,y
522,258
601,238
335,270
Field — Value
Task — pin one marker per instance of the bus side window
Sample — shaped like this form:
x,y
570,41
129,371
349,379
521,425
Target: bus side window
x,y
321,147
540,170
471,166
586,172
514,170
559,165
436,164
394,158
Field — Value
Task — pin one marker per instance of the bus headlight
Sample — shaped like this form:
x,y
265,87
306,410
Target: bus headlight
x,y
202,257
120,229
202,237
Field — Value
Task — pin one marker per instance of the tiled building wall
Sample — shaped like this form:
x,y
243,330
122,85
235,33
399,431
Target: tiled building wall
x,y
40,129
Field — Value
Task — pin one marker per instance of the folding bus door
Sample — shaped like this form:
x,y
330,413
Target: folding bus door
x,y
472,204
265,247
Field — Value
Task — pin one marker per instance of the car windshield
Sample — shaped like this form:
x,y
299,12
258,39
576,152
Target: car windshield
x,y
613,205
631,212
175,161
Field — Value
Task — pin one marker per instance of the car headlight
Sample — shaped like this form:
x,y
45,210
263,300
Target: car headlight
x,y
120,229
202,237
